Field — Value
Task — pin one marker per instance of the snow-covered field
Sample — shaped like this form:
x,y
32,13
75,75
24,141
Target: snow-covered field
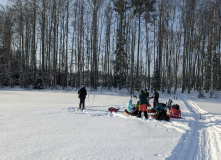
x,y
37,125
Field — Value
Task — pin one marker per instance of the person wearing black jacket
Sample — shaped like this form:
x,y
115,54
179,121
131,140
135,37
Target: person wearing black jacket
x,y
155,97
82,92
147,94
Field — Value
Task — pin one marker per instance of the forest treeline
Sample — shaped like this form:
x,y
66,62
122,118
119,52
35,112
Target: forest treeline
x,y
162,44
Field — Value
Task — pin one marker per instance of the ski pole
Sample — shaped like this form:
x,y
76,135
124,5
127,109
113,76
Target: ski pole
x,y
93,101
88,101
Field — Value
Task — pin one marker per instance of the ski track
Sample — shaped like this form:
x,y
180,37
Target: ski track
x,y
202,138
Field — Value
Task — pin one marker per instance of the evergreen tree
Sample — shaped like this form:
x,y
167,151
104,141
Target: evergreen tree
x,y
120,63
139,8
156,80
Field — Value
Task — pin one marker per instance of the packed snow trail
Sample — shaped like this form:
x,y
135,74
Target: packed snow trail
x,y
203,139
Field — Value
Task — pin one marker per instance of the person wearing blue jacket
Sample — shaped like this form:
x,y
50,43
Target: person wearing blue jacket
x,y
159,107
161,112
129,106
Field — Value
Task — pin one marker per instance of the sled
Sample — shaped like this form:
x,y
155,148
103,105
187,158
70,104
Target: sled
x,y
131,114
171,116
155,116
150,110
112,109
148,105
174,113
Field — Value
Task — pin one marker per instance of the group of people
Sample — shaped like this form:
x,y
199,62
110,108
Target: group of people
x,y
137,109
142,103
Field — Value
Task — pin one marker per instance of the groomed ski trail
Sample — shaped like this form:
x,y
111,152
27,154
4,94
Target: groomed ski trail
x,y
202,140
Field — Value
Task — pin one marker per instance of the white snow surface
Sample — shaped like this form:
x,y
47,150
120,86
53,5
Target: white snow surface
x,y
45,124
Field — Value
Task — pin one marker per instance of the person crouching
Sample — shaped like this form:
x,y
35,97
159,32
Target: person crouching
x,y
130,108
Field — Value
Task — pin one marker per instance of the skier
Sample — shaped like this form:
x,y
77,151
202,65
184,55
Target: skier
x,y
142,104
82,92
155,97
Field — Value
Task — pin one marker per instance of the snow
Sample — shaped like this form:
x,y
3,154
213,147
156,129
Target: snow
x,y
47,124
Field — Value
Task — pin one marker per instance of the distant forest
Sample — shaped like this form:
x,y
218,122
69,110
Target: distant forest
x,y
133,44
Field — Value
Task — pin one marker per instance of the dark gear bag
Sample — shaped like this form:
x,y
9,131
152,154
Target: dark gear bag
x,y
176,106
161,115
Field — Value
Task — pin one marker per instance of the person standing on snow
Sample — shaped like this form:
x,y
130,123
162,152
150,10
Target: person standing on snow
x,y
142,104
155,97
147,94
82,92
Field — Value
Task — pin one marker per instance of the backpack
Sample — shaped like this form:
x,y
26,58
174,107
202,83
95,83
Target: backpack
x,y
176,106
161,115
